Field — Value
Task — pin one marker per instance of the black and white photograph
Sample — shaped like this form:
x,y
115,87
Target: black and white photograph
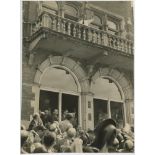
x,y
77,78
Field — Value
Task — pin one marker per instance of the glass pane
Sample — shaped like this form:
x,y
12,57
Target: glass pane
x,y
97,20
100,111
48,101
112,25
70,10
70,105
117,113
106,89
59,78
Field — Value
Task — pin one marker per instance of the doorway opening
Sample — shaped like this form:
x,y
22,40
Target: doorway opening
x,y
100,110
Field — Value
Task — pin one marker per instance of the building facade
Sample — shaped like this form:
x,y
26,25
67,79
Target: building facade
x,y
78,56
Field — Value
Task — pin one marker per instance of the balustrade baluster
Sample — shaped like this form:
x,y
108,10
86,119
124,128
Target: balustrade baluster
x,y
84,34
113,42
121,45
116,43
64,27
102,38
93,36
132,48
89,34
74,30
109,40
46,20
98,38
69,28
106,39
129,48
124,44
79,32
58,24
53,23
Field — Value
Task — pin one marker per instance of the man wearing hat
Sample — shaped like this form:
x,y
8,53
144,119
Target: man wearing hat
x,y
105,133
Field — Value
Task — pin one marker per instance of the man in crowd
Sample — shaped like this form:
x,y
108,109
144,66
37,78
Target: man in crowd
x,y
36,123
67,123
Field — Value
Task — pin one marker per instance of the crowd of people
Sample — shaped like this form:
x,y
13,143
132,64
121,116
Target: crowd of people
x,y
45,134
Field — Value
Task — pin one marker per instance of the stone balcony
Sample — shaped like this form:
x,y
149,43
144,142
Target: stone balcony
x,y
52,26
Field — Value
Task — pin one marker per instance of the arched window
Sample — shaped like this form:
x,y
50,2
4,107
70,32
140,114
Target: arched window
x,y
50,6
112,27
96,22
107,89
70,12
59,90
59,78
107,101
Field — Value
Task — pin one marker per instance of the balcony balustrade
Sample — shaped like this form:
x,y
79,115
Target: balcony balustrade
x,y
82,32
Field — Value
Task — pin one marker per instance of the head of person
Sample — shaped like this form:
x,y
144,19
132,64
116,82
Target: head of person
x,y
84,138
56,112
41,113
106,135
129,146
46,112
49,139
36,116
91,135
39,148
53,127
24,136
65,112
23,127
69,117
71,132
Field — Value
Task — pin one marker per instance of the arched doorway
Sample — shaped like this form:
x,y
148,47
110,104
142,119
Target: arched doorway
x,y
60,89
108,101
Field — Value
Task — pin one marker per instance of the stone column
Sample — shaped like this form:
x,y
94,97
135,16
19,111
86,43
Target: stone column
x,y
123,30
104,23
87,109
60,105
128,105
129,29
61,11
109,109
